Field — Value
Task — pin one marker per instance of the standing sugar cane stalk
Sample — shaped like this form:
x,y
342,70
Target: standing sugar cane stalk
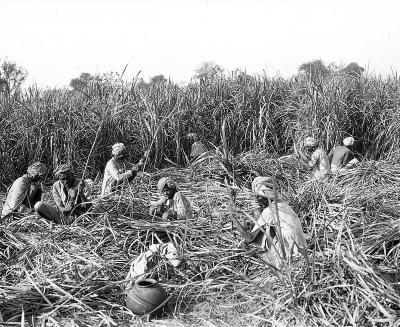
x,y
119,170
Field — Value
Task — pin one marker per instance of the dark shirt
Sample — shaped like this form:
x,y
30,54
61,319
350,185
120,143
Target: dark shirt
x,y
340,155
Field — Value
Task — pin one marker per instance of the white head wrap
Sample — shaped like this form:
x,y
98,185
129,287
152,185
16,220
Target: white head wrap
x,y
263,186
193,136
310,141
348,141
37,168
117,148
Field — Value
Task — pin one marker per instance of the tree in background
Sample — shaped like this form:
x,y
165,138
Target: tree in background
x,y
79,83
314,69
353,69
11,76
208,71
158,79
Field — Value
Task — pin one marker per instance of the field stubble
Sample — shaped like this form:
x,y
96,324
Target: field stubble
x,y
75,275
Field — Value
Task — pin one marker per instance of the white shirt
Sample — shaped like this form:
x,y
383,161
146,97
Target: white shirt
x,y
292,233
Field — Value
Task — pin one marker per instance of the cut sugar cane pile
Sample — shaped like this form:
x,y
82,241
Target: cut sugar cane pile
x,y
54,274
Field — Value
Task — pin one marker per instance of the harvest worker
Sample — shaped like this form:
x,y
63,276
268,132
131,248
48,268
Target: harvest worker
x,y
198,148
318,162
118,170
71,196
341,156
273,215
172,204
26,190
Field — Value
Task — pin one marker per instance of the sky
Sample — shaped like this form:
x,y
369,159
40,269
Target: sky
x,y
57,40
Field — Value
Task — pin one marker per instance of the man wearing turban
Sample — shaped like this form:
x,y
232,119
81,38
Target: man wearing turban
x,y
119,170
173,204
318,162
70,194
275,220
341,156
198,148
26,190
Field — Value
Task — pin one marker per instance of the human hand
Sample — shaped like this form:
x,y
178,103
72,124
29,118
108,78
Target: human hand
x,y
146,153
165,216
68,207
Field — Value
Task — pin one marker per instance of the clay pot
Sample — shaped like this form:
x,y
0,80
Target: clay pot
x,y
146,297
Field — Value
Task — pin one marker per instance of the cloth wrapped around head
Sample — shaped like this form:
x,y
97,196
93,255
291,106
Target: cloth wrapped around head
x,y
165,181
348,141
37,168
193,136
264,186
117,149
63,171
310,141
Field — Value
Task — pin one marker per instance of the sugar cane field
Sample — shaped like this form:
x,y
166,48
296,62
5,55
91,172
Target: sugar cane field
x,y
77,274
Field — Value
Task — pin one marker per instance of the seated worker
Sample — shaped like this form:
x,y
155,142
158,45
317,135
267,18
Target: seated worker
x,y
270,216
71,196
318,162
26,190
341,156
198,148
118,170
173,204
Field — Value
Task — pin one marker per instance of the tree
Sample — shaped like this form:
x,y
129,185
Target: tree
x,y
314,69
79,83
208,71
11,76
353,69
158,79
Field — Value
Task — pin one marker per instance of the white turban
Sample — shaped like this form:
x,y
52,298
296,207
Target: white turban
x,y
117,148
37,168
310,141
263,186
193,136
348,141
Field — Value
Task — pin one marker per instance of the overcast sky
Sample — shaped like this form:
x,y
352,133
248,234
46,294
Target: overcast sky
x,y
56,40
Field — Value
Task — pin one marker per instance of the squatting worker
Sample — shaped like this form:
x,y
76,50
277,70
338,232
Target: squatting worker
x,y
269,216
26,190
198,148
318,163
172,204
119,170
341,156
71,196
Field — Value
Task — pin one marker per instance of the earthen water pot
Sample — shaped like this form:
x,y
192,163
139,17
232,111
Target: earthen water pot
x,y
146,297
